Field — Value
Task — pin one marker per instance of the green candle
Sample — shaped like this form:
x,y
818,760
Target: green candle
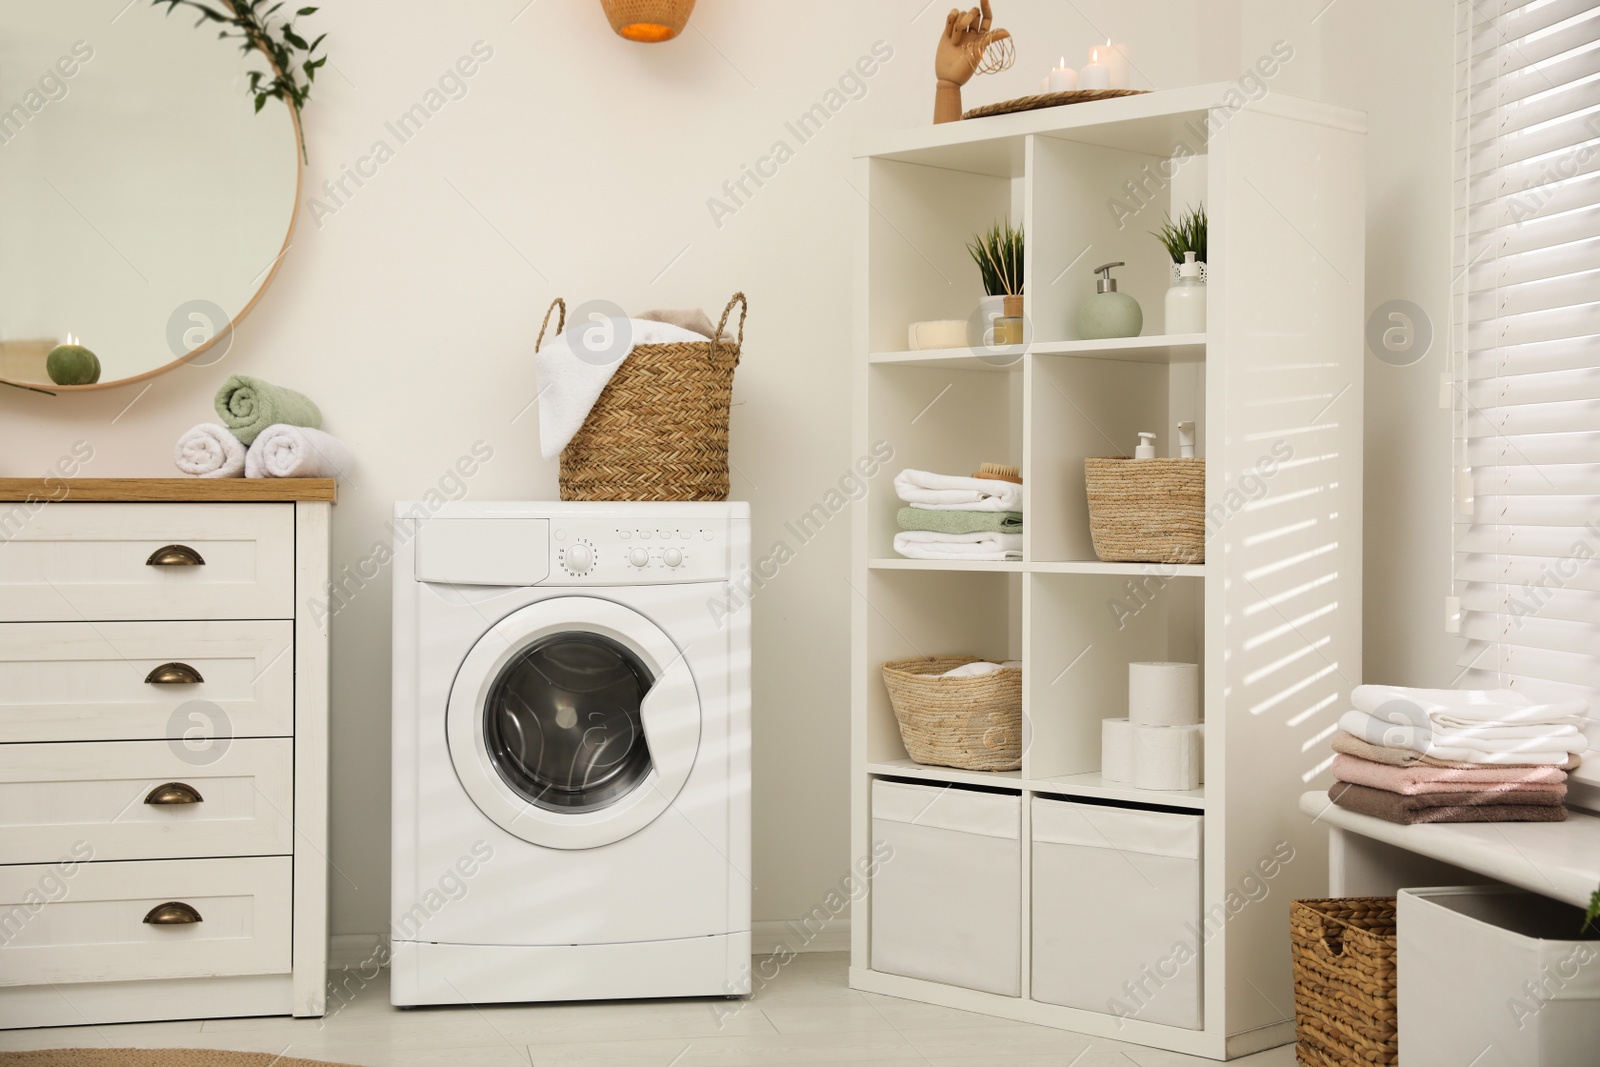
x,y
72,364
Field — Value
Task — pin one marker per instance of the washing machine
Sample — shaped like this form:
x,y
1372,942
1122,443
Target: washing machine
x,y
571,745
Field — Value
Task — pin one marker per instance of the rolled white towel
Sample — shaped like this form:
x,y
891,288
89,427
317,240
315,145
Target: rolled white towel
x,y
285,451
947,492
209,450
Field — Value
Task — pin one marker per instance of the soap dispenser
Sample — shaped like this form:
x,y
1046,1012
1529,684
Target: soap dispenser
x,y
1109,313
1186,300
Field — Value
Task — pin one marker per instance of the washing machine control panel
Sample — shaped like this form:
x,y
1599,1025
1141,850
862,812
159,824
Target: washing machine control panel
x,y
613,552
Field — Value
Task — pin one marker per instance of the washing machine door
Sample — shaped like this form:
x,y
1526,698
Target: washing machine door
x,y
573,722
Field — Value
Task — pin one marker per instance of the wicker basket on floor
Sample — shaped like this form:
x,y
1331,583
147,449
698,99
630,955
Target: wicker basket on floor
x,y
974,723
1147,510
659,430
1344,982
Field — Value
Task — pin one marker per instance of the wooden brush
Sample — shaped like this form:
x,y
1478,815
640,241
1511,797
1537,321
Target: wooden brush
x,y
999,472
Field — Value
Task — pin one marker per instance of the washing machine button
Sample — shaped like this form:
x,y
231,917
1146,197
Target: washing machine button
x,y
638,557
579,558
706,534
672,557
644,535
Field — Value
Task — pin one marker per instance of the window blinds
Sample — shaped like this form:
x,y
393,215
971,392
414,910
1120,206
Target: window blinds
x,y
1526,347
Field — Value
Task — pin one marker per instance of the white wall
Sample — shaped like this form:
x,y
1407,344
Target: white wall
x,y
579,164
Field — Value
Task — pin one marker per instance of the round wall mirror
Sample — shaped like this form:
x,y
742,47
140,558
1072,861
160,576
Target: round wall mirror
x,y
147,203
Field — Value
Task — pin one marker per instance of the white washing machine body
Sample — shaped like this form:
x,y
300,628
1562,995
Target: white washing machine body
x,y
571,752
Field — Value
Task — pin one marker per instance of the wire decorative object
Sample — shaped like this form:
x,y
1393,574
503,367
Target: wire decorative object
x,y
995,56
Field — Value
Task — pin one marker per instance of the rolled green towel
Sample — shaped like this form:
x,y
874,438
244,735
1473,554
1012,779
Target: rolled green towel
x,y
960,522
249,405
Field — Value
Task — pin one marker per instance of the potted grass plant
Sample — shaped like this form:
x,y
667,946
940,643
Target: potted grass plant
x,y
1188,234
998,254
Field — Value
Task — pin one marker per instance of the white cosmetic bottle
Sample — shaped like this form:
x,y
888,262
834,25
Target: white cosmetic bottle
x,y
1186,300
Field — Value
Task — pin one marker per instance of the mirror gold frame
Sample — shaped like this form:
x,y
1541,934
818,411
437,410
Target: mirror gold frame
x,y
51,389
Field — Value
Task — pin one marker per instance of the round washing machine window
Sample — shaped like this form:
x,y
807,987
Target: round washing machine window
x,y
562,722
573,722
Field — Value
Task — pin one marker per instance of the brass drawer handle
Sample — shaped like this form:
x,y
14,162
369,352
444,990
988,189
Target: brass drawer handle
x,y
175,556
172,913
173,674
174,793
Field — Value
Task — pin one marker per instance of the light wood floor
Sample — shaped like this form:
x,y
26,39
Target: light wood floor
x,y
807,1015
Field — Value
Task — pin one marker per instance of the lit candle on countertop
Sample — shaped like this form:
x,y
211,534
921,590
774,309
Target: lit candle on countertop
x,y
1097,75
1115,56
1044,84
1063,79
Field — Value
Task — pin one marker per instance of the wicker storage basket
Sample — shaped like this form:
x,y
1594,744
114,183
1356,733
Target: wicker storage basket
x,y
1344,981
660,428
972,723
1147,510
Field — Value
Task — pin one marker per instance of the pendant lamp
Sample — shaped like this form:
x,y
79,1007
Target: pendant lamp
x,y
648,21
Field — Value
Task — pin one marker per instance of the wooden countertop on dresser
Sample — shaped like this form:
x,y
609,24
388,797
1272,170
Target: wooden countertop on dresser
x,y
169,490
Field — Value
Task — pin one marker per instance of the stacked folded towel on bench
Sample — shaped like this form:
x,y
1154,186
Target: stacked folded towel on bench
x,y
951,517
1446,755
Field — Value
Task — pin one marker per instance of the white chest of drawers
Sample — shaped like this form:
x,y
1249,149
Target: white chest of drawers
x,y
163,749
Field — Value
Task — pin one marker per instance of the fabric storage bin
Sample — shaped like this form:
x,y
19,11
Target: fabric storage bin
x,y
1496,977
1116,907
947,905
1343,949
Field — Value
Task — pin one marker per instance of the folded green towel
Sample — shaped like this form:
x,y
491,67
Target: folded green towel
x,y
960,522
249,405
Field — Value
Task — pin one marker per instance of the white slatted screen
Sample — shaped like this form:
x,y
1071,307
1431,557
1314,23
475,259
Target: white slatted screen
x,y
1526,343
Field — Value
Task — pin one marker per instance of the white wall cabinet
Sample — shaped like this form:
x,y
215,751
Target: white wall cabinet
x,y
1273,615
163,749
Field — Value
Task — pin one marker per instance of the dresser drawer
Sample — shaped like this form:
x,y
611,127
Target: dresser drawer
x,y
87,922
96,562
132,800
78,681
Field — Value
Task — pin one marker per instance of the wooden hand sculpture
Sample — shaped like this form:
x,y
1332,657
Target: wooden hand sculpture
x,y
961,46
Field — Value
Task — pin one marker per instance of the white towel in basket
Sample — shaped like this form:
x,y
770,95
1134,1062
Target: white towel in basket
x,y
574,367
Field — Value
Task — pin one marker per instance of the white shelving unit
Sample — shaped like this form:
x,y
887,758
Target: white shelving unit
x,y
1275,389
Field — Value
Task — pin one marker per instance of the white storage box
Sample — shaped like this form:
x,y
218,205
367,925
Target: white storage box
x,y
1116,910
947,905
1495,977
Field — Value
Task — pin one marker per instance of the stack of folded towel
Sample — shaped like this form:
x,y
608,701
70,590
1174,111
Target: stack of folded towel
x,y
1447,755
267,431
950,517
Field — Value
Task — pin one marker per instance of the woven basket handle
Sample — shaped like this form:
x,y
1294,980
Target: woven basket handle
x,y
744,309
561,323
1333,931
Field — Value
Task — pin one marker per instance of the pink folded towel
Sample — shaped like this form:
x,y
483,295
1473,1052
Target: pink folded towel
x,y
1414,781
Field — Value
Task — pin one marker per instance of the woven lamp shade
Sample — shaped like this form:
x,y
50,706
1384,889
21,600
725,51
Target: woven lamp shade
x,y
648,21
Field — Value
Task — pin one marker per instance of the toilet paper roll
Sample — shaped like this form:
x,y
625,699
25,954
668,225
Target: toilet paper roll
x,y
1164,694
1116,750
1167,757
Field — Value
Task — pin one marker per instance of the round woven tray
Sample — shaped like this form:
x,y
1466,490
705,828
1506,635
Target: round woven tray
x,y
1344,981
973,723
1033,103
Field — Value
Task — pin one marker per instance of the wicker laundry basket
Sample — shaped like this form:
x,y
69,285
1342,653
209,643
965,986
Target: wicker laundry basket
x,y
1147,510
659,430
973,723
1344,981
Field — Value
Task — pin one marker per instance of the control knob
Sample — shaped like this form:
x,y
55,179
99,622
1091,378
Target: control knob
x,y
579,558
639,557
672,557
